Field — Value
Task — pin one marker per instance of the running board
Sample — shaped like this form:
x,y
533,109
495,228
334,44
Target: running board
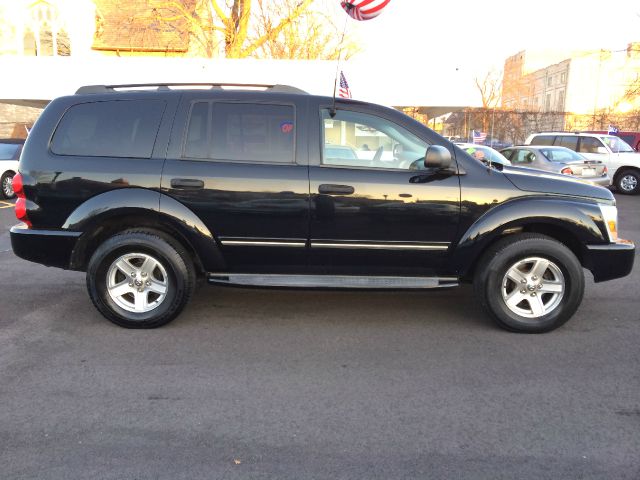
x,y
330,281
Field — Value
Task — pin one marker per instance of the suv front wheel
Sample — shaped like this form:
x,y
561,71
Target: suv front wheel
x,y
140,279
628,182
529,283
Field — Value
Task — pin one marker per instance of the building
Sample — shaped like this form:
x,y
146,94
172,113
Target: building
x,y
576,90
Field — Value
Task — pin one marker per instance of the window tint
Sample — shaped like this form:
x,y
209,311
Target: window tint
x,y
589,145
522,157
116,128
542,140
352,139
197,142
507,154
241,132
571,142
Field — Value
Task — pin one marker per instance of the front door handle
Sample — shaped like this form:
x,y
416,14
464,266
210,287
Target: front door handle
x,y
330,189
187,183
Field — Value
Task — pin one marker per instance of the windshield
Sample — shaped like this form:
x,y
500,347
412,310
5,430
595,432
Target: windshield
x,y
616,144
561,155
8,150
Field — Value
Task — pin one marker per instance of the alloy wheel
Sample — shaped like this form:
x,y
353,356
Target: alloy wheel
x,y
7,187
533,287
628,183
137,282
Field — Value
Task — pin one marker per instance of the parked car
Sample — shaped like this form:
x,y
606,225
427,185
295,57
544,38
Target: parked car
x,y
10,149
485,154
147,191
631,138
496,143
622,162
558,160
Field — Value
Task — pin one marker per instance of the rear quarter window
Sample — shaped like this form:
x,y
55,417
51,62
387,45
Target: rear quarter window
x,y
115,128
542,140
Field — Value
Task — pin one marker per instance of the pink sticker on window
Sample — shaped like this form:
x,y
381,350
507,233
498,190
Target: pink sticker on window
x,y
286,127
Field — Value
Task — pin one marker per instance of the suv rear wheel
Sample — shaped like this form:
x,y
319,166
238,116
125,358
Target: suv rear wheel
x,y
529,283
628,182
140,279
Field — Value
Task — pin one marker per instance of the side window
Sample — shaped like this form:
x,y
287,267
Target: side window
x,y
352,139
522,157
114,128
248,132
571,142
542,140
589,145
507,154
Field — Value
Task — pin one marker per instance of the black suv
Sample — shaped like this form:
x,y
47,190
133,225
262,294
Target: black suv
x,y
150,190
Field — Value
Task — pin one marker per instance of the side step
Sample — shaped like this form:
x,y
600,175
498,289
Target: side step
x,y
329,281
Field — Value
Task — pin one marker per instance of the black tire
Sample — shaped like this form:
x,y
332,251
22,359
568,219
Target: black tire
x,y
498,259
6,190
628,182
172,258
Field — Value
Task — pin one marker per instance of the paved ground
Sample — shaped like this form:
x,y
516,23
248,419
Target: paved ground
x,y
301,385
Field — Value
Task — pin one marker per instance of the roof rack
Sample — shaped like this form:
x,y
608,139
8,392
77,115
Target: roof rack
x,y
276,88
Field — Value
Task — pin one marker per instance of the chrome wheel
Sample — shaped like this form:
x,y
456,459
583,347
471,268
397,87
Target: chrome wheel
x,y
7,186
137,282
628,183
533,287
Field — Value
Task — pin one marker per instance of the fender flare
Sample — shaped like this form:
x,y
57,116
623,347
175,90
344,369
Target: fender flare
x,y
580,219
160,209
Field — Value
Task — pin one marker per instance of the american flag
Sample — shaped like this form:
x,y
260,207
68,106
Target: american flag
x,y
344,91
478,137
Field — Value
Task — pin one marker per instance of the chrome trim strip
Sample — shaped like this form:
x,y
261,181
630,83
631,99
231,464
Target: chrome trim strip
x,y
263,243
380,246
332,281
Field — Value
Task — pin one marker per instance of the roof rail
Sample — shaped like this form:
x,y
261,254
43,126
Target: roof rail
x,y
277,88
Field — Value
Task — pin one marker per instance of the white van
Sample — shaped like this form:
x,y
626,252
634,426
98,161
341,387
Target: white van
x,y
623,163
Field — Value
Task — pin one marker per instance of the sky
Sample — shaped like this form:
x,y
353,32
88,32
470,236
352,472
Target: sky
x,y
474,36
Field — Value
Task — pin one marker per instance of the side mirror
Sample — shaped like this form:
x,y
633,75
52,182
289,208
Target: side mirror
x,y
601,150
437,157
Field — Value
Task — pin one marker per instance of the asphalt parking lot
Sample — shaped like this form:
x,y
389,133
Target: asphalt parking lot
x,y
319,385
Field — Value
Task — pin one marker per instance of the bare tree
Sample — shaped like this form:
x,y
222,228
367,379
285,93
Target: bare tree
x,y
244,28
489,88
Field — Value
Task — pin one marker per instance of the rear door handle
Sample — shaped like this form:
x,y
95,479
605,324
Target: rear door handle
x,y
187,183
330,189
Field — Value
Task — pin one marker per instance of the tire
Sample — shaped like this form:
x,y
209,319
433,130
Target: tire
x,y
547,300
6,186
149,294
628,182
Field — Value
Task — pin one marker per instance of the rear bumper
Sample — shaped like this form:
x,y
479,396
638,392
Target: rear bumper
x,y
610,261
48,247
600,181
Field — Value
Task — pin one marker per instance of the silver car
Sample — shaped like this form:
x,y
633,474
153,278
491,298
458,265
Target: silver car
x,y
558,160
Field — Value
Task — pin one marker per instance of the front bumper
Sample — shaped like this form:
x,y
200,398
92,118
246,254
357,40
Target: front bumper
x,y
49,247
609,261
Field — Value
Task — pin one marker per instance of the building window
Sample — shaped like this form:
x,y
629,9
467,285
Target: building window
x,y
563,78
561,100
547,106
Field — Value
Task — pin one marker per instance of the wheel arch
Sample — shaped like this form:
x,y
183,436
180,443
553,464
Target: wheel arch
x,y
573,223
112,212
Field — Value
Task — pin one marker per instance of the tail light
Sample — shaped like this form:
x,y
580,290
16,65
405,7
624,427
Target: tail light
x,y
566,171
604,170
21,202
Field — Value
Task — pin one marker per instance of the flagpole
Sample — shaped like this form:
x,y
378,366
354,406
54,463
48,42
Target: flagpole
x,y
332,112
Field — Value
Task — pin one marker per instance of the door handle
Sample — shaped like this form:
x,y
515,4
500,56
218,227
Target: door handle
x,y
187,183
330,189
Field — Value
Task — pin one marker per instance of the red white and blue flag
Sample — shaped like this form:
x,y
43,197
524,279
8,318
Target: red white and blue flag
x,y
478,137
364,9
343,90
